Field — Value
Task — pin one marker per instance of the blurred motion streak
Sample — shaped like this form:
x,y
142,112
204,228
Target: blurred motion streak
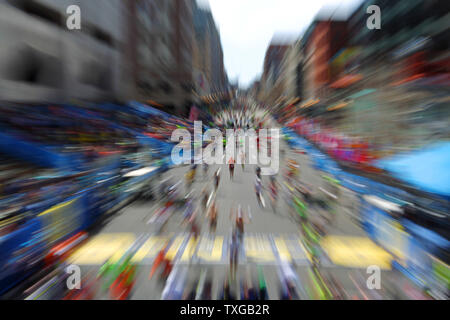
x,y
87,177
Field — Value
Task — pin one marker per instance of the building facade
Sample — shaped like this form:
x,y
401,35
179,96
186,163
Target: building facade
x,y
293,72
42,61
322,40
142,50
161,51
388,87
209,62
272,81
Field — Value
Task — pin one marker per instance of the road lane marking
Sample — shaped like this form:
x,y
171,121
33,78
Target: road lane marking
x,y
359,252
175,247
282,248
211,251
189,249
356,252
103,247
258,248
150,248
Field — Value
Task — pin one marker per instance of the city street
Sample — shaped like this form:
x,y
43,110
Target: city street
x,y
270,235
222,150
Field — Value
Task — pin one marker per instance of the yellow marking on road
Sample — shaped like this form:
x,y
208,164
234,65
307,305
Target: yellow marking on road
x,y
189,249
150,248
358,252
113,245
215,254
103,247
258,248
172,252
282,248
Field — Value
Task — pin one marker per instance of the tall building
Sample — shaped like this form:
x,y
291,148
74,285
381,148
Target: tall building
x,y
273,62
161,37
322,40
375,83
42,61
209,59
272,81
292,67
218,76
203,24
125,50
406,65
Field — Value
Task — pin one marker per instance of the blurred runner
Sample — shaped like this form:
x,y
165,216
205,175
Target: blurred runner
x,y
193,225
175,283
200,289
204,198
273,192
119,276
161,260
231,166
320,285
189,210
235,246
237,238
258,191
292,171
299,209
288,281
216,179
248,291
161,217
258,172
122,287
205,169
226,291
206,293
212,216
262,287
240,220
243,160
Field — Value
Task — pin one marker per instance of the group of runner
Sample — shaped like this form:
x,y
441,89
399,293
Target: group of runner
x,y
296,195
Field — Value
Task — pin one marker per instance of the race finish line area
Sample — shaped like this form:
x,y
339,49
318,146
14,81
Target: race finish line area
x,y
355,252
184,151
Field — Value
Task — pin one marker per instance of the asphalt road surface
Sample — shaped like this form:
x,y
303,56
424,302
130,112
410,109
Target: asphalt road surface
x,y
270,235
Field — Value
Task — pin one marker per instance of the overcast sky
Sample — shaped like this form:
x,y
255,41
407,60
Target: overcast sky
x,y
247,26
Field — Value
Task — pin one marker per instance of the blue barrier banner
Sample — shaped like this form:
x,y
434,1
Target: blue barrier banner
x,y
93,199
35,153
419,262
413,250
368,216
163,148
17,239
385,230
432,238
19,251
